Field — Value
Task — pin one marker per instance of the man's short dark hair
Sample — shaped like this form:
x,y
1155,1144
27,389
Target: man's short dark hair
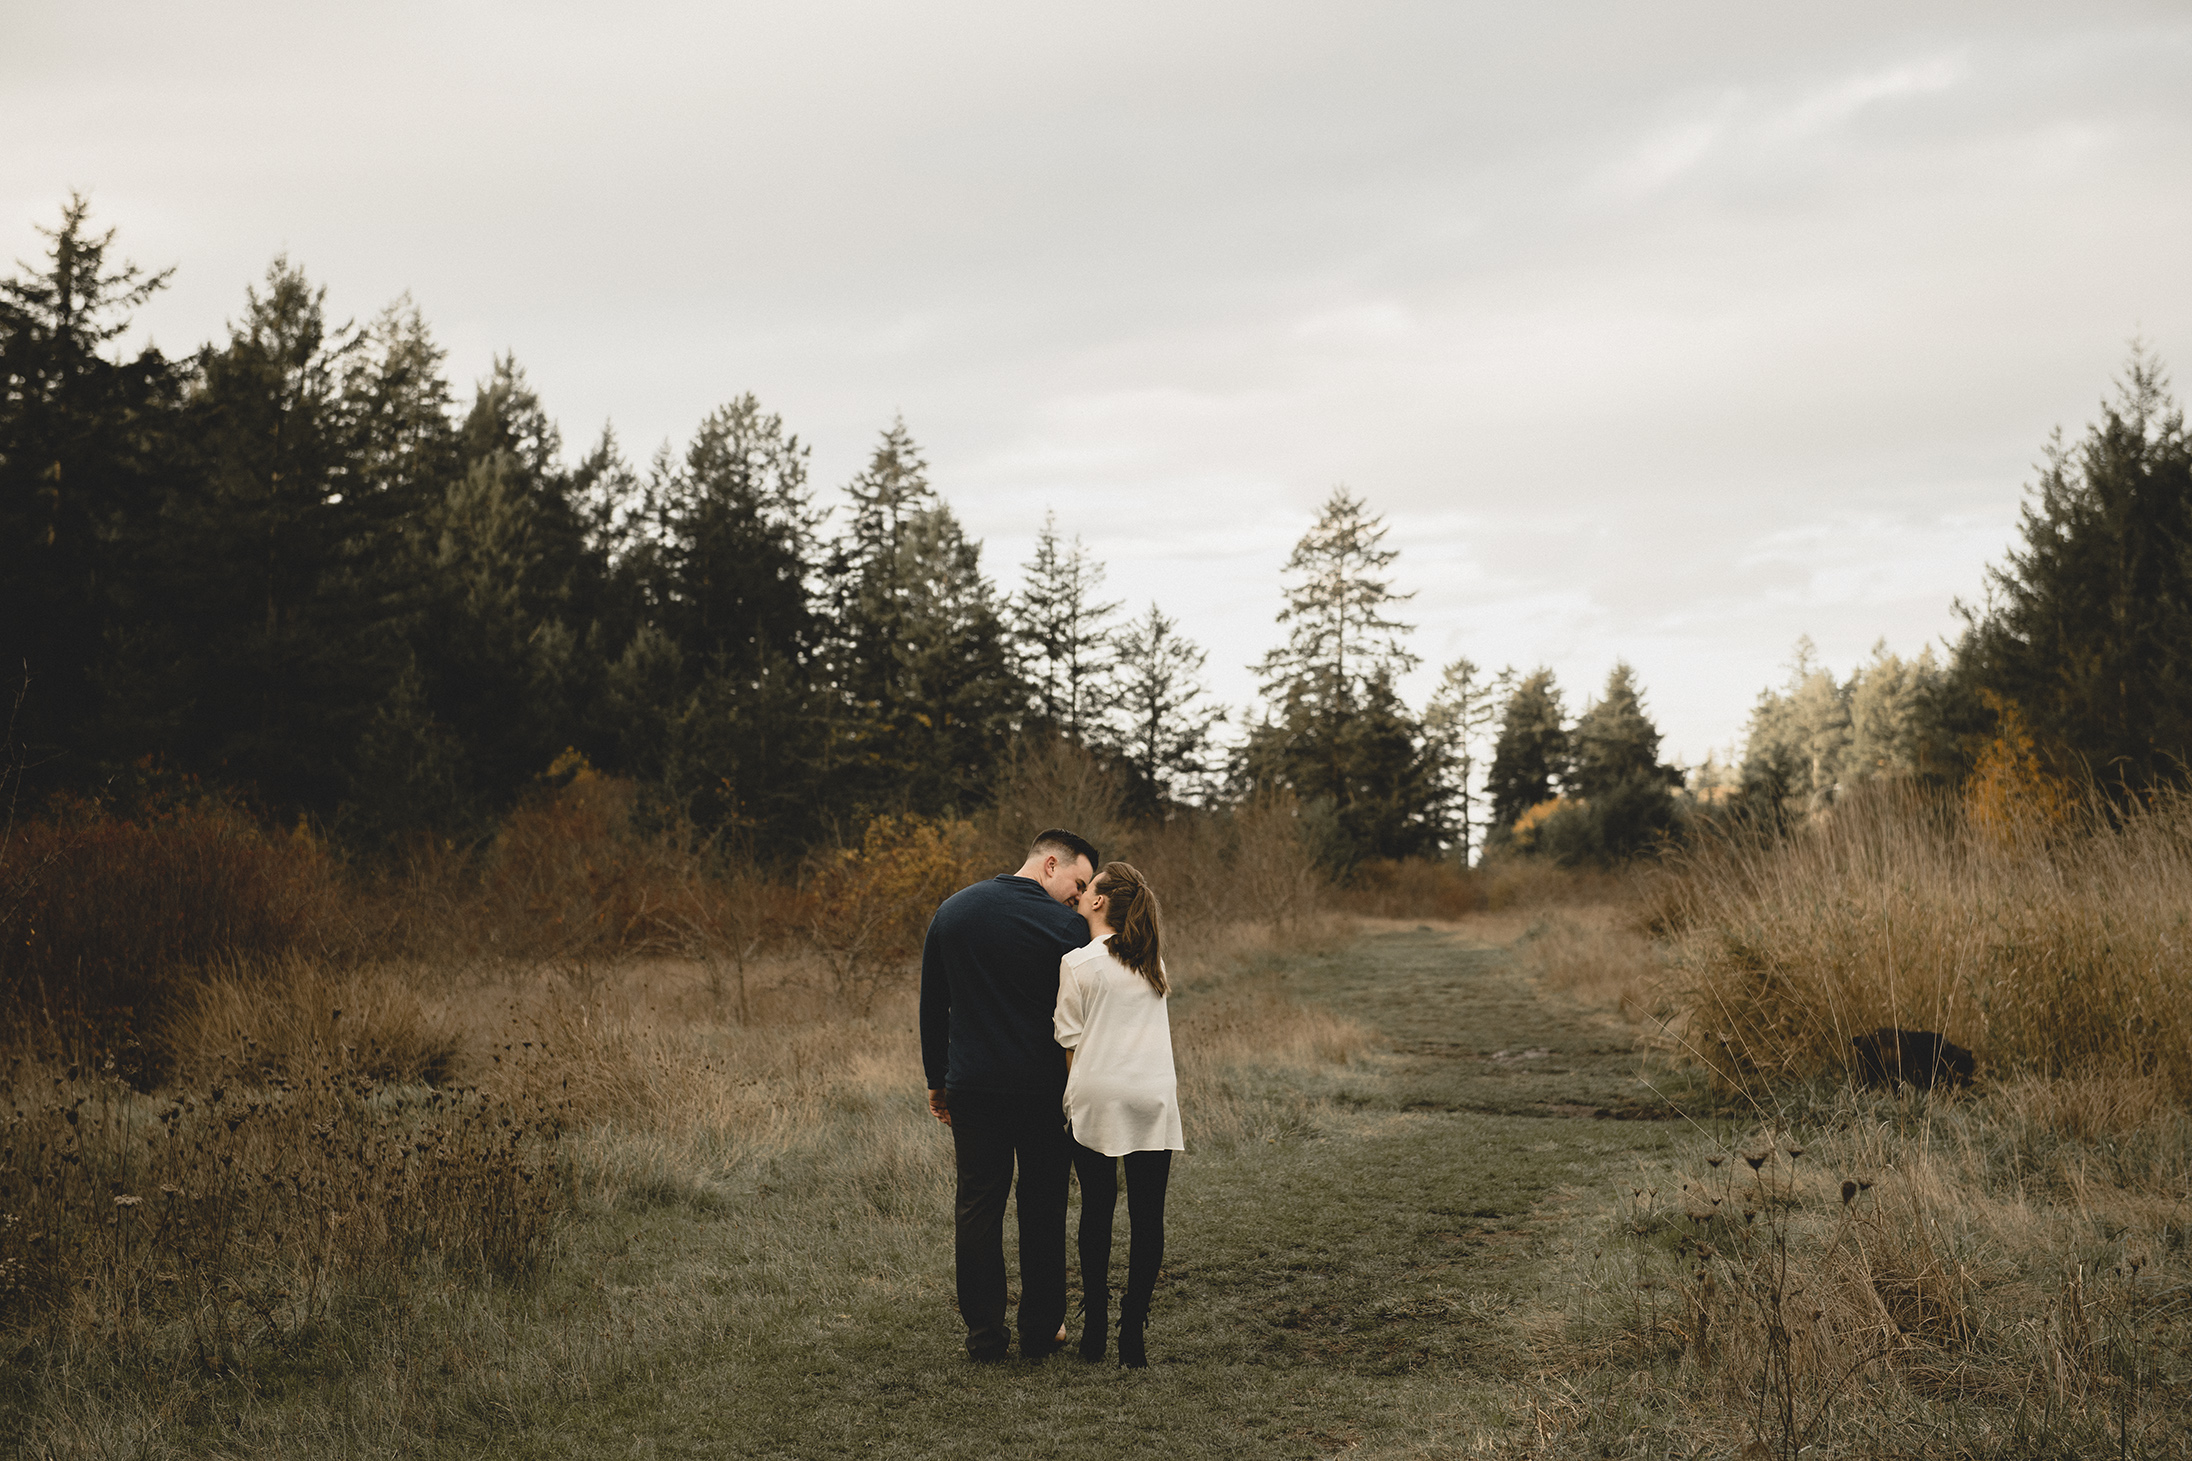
x,y
1062,842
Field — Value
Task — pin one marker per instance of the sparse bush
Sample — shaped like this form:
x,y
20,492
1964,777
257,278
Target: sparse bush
x,y
1524,884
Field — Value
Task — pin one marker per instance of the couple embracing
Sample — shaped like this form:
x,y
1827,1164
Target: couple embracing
x,y
1047,1047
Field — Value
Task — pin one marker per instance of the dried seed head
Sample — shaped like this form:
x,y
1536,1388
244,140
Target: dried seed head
x,y
1795,1152
1714,1161
1755,1161
1849,1192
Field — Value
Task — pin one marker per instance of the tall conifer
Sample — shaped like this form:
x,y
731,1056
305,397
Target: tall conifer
x,y
2088,626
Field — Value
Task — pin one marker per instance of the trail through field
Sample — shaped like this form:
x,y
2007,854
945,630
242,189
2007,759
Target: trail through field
x,y
1366,1270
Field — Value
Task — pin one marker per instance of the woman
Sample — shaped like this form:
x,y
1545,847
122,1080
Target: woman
x,y
1122,1099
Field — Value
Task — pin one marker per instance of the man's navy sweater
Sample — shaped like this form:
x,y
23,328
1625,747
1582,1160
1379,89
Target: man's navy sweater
x,y
989,988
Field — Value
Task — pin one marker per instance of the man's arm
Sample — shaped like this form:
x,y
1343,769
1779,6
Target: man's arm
x,y
935,1023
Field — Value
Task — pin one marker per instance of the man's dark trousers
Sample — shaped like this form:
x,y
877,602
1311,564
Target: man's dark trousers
x,y
989,1130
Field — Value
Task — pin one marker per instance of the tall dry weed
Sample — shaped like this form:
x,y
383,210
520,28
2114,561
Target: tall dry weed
x,y
194,1226
2065,952
2014,1267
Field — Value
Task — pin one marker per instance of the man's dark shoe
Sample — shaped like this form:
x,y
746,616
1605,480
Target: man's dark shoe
x,y
1040,1349
987,1356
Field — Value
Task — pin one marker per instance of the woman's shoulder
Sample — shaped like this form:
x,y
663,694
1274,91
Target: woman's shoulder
x,y
1092,950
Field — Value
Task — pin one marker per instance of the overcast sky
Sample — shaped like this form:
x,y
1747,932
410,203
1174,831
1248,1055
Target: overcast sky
x,y
1665,332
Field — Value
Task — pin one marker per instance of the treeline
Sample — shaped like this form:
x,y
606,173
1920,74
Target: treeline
x,y
2073,673
289,565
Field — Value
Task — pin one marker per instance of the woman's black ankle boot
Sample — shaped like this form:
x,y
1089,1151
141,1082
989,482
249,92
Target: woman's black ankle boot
x,y
1131,1353
1132,1316
1095,1326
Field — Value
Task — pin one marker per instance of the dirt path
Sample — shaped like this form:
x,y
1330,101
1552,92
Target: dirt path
x,y
1361,1273
1469,1032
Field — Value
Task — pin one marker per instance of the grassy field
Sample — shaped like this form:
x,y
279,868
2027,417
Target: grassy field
x,y
1444,1198
1358,1255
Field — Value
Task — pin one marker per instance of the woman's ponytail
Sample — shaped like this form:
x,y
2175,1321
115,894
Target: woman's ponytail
x,y
1137,923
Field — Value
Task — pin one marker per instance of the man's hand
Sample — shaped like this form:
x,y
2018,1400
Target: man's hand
x,y
940,1106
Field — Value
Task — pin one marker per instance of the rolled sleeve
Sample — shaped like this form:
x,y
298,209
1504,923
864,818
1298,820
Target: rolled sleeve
x,y
1067,1023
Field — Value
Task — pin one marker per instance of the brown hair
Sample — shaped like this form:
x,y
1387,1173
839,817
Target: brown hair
x,y
1137,923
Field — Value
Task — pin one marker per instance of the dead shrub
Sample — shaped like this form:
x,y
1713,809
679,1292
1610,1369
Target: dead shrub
x,y
1048,781
1415,887
1245,864
1520,883
103,917
570,883
868,907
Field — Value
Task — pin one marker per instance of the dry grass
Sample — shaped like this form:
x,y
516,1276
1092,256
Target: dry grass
x,y
2013,1269
406,1095
188,1230
2046,951
2010,1266
1420,888
1597,953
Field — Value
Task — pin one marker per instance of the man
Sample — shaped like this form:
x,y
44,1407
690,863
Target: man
x,y
997,1078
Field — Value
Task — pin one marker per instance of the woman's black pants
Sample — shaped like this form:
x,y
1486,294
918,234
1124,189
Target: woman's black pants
x,y
1146,1175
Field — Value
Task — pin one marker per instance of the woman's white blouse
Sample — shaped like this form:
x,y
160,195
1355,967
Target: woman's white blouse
x,y
1121,1095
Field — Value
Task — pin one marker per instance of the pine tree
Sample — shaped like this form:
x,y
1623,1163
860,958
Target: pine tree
x,y
923,663
1461,715
1614,741
868,569
1895,729
728,567
1063,631
736,536
1384,806
1338,601
1530,758
1799,736
509,578
1623,803
1163,732
280,638
2088,626
87,445
408,768
1341,658
408,447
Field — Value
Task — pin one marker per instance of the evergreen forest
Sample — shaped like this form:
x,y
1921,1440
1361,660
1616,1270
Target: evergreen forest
x,y
297,567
